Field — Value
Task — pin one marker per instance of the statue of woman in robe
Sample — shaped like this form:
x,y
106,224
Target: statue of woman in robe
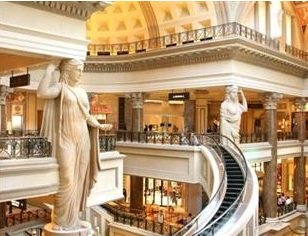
x,y
230,113
73,133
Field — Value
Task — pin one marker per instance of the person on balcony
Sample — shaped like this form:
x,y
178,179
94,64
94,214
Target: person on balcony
x,y
230,113
65,123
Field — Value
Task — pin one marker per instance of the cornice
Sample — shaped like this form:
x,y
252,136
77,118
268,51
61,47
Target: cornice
x,y
76,9
200,52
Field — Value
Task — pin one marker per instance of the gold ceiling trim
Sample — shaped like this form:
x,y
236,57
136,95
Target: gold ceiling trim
x,y
150,19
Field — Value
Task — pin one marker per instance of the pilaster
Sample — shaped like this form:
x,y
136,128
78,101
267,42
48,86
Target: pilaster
x,y
201,119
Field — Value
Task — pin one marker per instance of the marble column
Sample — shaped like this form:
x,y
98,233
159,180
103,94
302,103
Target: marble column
x,y
137,112
136,193
192,199
300,161
4,90
268,18
269,195
128,114
3,94
256,16
136,182
2,215
189,115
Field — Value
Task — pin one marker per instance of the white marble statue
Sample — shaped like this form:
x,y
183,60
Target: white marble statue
x,y
230,113
65,122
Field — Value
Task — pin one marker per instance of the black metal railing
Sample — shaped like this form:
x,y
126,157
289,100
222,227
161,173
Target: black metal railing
x,y
205,34
190,138
239,156
107,142
139,219
24,147
211,141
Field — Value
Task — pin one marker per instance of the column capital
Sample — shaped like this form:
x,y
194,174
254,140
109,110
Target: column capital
x,y
137,100
271,100
300,104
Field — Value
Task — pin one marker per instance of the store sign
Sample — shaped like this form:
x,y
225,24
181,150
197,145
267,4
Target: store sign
x,y
19,80
101,109
178,96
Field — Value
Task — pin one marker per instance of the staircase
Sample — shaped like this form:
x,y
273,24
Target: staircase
x,y
235,184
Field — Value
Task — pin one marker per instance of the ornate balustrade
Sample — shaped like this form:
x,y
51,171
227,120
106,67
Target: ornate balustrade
x,y
295,52
210,33
24,147
107,142
193,139
140,219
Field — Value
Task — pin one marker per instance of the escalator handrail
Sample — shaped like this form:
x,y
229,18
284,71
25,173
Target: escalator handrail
x,y
240,194
195,219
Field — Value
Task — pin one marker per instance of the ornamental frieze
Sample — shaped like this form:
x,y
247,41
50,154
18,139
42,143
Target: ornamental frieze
x,y
167,58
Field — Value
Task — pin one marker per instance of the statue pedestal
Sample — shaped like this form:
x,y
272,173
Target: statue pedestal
x,y
84,230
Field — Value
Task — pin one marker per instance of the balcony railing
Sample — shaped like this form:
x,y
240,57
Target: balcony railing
x,y
24,147
205,34
193,139
140,220
107,142
295,52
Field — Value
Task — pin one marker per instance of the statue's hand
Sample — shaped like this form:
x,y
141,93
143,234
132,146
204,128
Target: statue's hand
x,y
51,68
235,134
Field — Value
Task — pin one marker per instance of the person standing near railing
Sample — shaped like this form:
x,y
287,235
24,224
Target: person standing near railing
x,y
230,113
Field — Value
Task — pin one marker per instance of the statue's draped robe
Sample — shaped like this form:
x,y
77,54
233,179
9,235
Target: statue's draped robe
x,y
230,120
75,147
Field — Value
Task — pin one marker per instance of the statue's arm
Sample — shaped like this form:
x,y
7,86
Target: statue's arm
x,y
46,89
223,111
244,102
91,120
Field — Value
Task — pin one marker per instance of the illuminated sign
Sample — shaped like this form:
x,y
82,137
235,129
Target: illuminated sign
x,y
178,96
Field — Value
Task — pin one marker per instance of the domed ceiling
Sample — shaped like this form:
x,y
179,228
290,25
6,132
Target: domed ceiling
x,y
134,21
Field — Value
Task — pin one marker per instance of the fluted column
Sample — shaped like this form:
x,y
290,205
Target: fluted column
x,y
269,195
300,161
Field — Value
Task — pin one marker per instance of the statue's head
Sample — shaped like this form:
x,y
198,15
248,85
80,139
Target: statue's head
x,y
231,92
70,65
70,70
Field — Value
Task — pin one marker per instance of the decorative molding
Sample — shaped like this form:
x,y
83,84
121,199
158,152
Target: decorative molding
x,y
300,104
75,9
137,100
26,178
271,100
200,52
